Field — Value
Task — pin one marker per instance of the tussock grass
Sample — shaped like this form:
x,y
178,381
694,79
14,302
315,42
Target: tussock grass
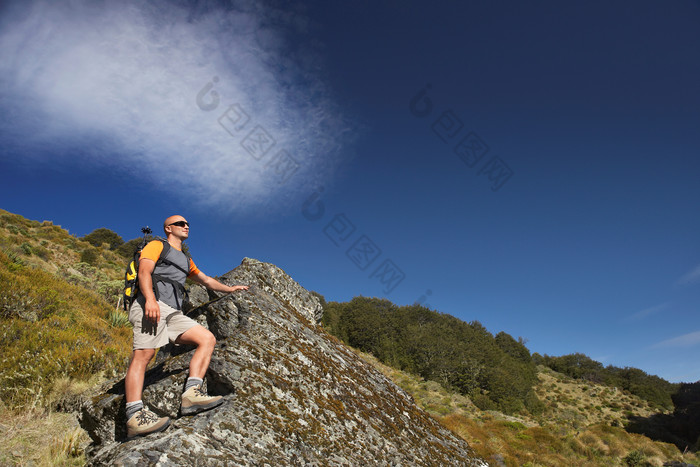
x,y
39,437
52,330
572,431
577,403
47,247
118,319
60,336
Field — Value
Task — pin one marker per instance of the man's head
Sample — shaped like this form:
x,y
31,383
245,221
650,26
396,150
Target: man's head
x,y
177,226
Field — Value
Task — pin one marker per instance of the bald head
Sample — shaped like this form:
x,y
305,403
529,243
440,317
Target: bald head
x,y
176,228
171,219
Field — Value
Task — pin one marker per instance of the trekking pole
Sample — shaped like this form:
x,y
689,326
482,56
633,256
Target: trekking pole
x,y
210,302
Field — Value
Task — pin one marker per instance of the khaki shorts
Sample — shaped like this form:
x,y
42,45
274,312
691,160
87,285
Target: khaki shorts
x,y
173,323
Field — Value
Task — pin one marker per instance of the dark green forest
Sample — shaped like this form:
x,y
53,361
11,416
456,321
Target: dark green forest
x,y
496,372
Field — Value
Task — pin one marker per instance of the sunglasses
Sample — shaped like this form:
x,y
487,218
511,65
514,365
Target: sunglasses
x,y
180,223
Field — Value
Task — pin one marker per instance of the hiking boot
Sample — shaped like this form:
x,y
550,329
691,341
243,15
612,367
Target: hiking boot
x,y
194,400
145,422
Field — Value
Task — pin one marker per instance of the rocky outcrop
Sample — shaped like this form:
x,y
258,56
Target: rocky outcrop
x,y
294,395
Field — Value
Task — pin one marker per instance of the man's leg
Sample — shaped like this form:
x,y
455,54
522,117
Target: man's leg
x,y
136,373
195,400
147,338
140,421
205,342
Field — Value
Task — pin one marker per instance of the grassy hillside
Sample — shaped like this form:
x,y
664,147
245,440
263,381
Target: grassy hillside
x,y
55,309
582,425
59,334
490,373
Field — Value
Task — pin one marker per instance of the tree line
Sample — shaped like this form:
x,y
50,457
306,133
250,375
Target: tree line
x,y
496,372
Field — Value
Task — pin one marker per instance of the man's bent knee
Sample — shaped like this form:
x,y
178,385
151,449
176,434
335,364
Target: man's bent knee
x,y
199,336
208,340
211,339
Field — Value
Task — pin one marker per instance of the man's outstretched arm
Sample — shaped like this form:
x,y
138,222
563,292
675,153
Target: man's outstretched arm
x,y
213,284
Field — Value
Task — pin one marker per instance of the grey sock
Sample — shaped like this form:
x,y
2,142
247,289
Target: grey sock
x,y
193,382
132,408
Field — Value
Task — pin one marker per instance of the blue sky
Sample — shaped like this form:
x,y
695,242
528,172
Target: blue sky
x,y
533,166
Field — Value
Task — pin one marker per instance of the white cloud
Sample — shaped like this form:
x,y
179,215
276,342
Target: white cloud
x,y
647,312
691,277
686,340
115,84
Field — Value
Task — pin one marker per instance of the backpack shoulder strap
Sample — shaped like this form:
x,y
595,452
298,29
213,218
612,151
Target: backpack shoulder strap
x,y
163,254
166,249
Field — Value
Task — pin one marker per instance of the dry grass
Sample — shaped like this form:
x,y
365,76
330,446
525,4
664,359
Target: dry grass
x,y
575,430
50,330
46,246
39,437
55,336
578,403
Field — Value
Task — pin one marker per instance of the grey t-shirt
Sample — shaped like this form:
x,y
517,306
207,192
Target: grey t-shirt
x,y
167,292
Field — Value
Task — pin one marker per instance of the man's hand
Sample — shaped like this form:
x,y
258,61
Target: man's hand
x,y
238,287
152,311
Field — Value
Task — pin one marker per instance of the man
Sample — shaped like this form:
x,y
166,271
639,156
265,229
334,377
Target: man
x,y
157,316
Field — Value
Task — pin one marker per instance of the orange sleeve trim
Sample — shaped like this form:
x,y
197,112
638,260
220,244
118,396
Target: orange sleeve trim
x,y
152,251
194,270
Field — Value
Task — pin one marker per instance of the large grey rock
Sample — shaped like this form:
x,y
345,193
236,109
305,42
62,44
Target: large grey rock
x,y
294,395
197,296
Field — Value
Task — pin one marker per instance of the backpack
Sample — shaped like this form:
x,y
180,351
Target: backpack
x,y
131,279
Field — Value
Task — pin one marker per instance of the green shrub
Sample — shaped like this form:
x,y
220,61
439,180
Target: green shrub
x,y
89,256
110,290
26,248
100,236
483,402
515,426
438,347
636,459
42,252
128,249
